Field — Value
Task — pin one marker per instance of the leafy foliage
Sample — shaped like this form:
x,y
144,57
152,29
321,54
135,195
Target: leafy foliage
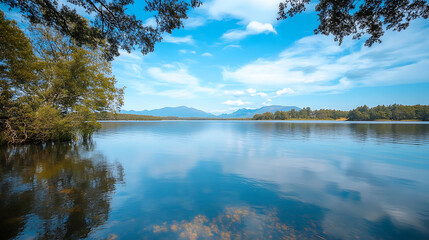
x,y
113,29
264,116
51,88
392,112
305,113
362,113
342,18
110,26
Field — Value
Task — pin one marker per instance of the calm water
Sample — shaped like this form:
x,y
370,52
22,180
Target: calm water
x,y
222,180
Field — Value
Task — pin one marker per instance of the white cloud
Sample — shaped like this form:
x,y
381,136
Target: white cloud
x,y
151,22
207,54
129,57
169,65
232,46
233,92
285,91
178,40
137,69
244,10
177,93
179,75
194,22
236,102
175,81
253,28
251,90
172,80
184,51
318,64
267,102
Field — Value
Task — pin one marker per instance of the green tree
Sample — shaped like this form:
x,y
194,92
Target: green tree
x,y
281,115
305,113
380,112
293,114
17,72
113,28
392,112
422,112
51,91
110,26
342,18
264,116
268,116
359,114
17,68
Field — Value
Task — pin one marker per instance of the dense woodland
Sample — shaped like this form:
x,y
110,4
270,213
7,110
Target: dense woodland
x,y
393,112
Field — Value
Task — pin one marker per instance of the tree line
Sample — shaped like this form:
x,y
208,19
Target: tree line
x,y
303,114
391,112
363,113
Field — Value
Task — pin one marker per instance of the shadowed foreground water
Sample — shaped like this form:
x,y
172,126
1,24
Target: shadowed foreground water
x,y
222,180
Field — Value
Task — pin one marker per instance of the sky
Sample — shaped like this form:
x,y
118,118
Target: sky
x,y
234,54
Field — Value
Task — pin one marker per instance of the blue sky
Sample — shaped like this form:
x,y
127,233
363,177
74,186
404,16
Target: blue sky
x,y
234,54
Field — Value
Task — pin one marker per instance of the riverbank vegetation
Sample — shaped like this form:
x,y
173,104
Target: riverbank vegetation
x,y
395,112
51,88
303,114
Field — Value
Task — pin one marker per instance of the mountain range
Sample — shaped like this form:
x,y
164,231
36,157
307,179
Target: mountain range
x,y
187,112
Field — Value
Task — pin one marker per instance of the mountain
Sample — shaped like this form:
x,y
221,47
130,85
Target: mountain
x,y
249,113
187,112
181,111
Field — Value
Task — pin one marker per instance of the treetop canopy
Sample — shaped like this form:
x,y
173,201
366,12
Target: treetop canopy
x,y
115,29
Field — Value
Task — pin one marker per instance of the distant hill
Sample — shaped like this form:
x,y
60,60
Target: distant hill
x,y
182,111
187,112
249,113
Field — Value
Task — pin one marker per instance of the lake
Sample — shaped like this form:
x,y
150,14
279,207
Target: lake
x,y
222,180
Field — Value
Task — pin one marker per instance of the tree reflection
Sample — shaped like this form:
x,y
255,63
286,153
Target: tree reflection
x,y
54,191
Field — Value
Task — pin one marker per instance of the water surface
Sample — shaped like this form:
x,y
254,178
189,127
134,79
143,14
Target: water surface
x,y
222,180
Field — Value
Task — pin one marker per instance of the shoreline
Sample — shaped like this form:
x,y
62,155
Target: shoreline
x,y
241,119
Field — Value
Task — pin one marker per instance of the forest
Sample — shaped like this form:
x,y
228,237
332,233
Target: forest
x,y
395,112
